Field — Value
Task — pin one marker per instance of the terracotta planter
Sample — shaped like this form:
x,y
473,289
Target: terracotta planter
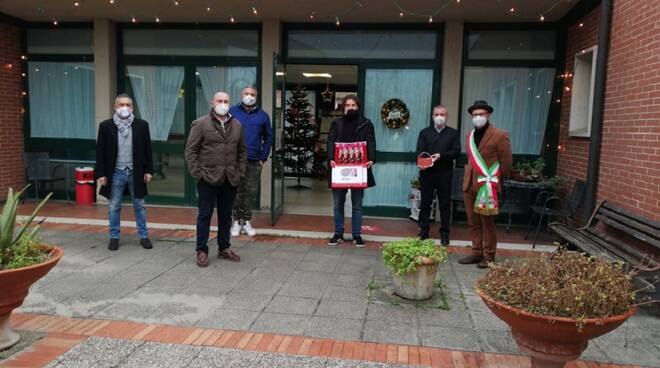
x,y
15,287
551,341
417,285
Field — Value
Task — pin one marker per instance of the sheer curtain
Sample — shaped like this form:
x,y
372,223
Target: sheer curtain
x,y
228,79
156,90
414,87
61,100
521,98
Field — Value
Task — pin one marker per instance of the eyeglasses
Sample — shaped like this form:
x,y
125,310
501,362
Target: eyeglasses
x,y
482,114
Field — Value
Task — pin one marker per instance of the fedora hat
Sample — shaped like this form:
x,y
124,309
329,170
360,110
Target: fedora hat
x,y
480,104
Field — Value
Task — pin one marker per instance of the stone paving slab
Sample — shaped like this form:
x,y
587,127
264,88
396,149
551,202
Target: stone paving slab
x,y
312,290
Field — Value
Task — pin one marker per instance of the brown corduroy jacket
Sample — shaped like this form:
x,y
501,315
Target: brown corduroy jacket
x,y
215,155
495,145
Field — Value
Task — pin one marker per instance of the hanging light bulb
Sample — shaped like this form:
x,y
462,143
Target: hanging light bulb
x,y
208,8
254,10
430,19
176,3
541,18
512,10
337,21
55,22
401,14
157,19
112,1
76,4
133,19
311,15
231,19
581,25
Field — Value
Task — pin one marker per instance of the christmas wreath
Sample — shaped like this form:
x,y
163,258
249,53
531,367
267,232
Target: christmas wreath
x,y
395,113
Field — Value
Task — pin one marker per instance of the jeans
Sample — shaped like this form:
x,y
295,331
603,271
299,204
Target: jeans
x,y
338,199
208,197
247,191
120,179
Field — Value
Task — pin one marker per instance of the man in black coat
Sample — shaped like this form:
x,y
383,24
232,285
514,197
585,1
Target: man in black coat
x,y
124,164
443,144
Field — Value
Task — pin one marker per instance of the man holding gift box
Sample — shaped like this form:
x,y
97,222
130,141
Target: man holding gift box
x,y
350,128
442,143
489,163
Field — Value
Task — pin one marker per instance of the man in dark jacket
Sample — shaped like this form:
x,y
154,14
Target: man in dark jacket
x,y
352,127
124,163
217,159
443,144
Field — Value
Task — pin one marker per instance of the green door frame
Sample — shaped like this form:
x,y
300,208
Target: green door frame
x,y
189,63
363,64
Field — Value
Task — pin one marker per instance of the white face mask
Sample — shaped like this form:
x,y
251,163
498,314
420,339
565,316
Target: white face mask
x,y
249,100
439,120
221,109
479,121
124,112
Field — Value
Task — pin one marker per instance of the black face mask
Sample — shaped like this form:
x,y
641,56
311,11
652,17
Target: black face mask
x,y
352,114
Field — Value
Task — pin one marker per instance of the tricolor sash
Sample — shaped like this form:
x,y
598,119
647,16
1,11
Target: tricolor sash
x,y
486,202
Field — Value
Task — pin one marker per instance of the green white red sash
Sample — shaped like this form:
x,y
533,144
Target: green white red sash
x,y
486,203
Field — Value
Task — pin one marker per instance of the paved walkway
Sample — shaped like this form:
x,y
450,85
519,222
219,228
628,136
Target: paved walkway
x,y
298,298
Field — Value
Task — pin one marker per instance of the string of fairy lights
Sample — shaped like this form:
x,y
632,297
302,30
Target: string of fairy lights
x,y
403,12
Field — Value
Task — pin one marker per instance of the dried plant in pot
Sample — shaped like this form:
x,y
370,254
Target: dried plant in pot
x,y
413,263
555,303
23,261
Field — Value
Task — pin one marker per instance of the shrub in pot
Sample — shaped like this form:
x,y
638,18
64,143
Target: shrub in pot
x,y
23,261
413,263
555,303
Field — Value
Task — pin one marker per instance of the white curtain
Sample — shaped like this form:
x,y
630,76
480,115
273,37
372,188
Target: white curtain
x,y
521,98
61,100
228,79
156,89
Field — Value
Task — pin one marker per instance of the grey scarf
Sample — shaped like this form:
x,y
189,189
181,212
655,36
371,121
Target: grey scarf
x,y
123,124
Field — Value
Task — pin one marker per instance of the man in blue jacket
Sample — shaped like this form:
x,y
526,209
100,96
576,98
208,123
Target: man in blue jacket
x,y
258,139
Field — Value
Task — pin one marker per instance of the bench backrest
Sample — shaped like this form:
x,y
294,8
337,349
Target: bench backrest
x,y
640,228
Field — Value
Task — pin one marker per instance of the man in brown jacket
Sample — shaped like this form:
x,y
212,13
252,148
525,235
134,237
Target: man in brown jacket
x,y
489,163
217,157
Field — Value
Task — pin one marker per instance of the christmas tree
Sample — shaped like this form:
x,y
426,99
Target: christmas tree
x,y
299,136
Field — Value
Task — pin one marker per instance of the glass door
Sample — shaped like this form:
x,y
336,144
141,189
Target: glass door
x,y
277,184
395,157
158,93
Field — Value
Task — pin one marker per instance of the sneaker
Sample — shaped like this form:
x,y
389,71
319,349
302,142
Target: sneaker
x,y
357,240
249,230
146,243
114,244
336,239
235,229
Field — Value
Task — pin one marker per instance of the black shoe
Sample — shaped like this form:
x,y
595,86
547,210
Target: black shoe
x,y
336,239
444,239
114,244
146,243
423,235
357,240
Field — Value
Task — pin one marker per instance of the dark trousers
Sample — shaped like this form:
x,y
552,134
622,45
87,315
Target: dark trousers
x,y
208,197
438,183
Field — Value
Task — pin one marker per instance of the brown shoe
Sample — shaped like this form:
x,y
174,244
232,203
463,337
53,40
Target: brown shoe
x,y
202,259
229,255
471,259
485,262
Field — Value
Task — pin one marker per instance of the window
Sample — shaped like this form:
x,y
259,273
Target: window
x,y
520,98
582,95
511,45
361,44
60,41
61,100
191,42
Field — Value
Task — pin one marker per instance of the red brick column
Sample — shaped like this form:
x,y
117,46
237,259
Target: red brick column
x,y
11,115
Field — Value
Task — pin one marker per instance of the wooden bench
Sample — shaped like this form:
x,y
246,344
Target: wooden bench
x,y
615,246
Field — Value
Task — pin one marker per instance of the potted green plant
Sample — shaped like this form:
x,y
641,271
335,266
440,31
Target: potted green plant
x,y
413,263
555,303
530,171
23,261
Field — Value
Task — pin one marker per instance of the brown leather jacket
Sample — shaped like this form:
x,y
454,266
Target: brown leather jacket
x,y
213,154
495,145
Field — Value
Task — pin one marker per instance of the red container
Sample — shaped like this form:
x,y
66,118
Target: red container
x,y
84,174
85,193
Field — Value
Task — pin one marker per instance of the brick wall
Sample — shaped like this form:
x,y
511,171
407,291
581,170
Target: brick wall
x,y
630,155
11,117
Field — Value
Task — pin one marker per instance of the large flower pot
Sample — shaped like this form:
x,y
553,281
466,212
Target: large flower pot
x,y
417,285
551,341
15,287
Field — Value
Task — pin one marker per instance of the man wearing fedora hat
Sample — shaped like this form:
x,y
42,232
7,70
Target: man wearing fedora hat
x,y
489,163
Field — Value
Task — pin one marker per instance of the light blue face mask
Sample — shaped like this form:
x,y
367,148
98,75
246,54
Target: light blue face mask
x,y
479,121
124,112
